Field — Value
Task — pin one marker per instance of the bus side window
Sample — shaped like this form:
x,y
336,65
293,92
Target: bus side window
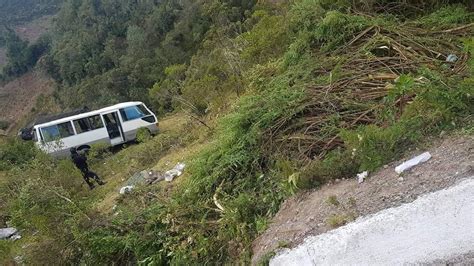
x,y
96,122
88,124
133,112
65,129
50,133
143,109
62,130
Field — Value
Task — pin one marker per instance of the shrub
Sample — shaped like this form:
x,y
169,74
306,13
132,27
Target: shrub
x,y
267,39
99,151
16,152
143,135
336,164
447,16
43,200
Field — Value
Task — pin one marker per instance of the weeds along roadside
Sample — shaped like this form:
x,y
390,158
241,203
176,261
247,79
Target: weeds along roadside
x,y
237,184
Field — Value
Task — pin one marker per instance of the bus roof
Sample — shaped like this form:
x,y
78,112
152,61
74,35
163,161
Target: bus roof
x,y
86,114
42,119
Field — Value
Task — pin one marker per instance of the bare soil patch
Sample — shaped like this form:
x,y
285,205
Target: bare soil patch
x,y
32,30
318,211
18,97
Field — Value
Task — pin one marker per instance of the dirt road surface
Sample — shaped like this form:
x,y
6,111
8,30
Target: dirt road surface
x,y
316,212
436,226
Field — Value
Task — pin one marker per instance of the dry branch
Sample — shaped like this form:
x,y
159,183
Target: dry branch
x,y
364,81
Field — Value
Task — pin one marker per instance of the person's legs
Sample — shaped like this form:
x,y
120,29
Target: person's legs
x,y
85,174
96,178
88,181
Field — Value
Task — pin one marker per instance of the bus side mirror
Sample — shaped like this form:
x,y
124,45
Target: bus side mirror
x,y
26,134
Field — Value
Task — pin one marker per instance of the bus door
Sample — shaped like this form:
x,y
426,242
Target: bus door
x,y
114,127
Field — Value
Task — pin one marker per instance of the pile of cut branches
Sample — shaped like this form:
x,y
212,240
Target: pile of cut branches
x,y
356,86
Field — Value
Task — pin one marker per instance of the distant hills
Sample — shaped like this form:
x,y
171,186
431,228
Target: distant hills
x,y
13,12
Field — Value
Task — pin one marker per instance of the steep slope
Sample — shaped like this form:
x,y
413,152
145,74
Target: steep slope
x,y
319,211
281,98
13,12
29,20
32,30
18,97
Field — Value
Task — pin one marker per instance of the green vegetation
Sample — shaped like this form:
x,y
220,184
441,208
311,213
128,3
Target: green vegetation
x,y
13,12
332,200
281,97
109,51
16,153
22,56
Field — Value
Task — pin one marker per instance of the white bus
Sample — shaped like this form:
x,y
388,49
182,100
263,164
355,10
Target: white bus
x,y
112,125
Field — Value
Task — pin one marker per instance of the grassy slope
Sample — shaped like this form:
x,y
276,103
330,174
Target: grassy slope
x,y
232,185
169,149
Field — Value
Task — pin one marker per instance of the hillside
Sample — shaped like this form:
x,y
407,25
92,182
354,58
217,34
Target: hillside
x,y
262,100
14,12
18,98
343,201
3,57
31,31
20,48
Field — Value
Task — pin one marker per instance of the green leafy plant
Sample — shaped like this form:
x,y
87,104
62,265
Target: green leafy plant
x,y
99,151
143,135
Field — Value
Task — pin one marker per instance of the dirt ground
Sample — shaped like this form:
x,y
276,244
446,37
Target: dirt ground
x,y
32,30
318,211
18,97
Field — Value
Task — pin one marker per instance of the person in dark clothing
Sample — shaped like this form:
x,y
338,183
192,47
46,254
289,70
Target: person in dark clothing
x,y
81,163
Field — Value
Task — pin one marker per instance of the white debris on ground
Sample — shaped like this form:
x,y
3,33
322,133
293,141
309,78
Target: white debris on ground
x,y
126,189
362,176
9,233
436,226
149,177
175,172
15,237
413,162
452,58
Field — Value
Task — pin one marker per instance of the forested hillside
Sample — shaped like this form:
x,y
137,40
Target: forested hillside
x,y
22,56
13,12
109,51
262,99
